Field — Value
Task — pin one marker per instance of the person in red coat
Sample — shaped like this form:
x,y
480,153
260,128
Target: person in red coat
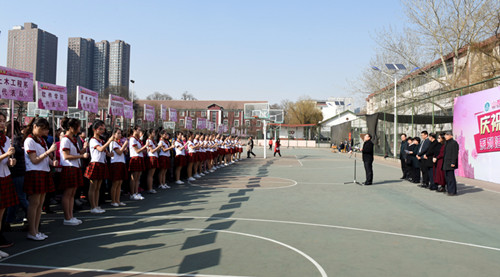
x,y
438,166
277,147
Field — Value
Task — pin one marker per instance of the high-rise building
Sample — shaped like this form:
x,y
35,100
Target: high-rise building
x,y
101,66
80,66
34,50
119,64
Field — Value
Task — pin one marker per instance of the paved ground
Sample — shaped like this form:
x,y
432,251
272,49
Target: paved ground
x,y
290,216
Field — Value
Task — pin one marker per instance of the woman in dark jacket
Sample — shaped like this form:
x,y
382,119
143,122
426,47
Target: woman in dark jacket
x,y
433,150
438,166
413,161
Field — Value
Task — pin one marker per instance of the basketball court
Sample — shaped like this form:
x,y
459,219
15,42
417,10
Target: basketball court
x,y
289,216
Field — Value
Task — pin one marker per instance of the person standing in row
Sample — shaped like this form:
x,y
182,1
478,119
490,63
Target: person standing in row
x,y
367,151
180,157
152,160
37,181
8,196
71,173
403,156
424,146
136,165
433,150
439,178
118,167
97,171
450,163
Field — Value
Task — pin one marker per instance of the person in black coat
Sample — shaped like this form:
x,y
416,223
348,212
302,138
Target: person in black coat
x,y
412,161
433,151
367,151
402,156
450,163
424,146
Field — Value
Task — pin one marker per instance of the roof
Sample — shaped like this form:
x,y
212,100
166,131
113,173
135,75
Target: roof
x,y
292,125
338,115
199,104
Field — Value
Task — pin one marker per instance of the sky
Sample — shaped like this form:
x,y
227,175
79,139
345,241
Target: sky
x,y
221,49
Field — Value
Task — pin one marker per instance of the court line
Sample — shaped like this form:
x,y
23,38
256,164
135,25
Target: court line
x,y
303,224
299,160
316,264
294,183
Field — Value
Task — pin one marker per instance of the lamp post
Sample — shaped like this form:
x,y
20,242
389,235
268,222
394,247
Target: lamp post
x,y
395,67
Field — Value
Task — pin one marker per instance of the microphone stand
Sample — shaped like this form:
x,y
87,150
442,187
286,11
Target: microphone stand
x,y
354,179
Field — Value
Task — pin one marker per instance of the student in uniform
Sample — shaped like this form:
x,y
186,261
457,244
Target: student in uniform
x,y
8,195
192,157
277,147
180,157
164,160
97,171
71,173
118,168
152,160
37,181
136,166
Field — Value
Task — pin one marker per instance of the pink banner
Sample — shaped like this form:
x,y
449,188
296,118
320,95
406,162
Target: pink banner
x,y
51,97
476,127
201,123
149,113
163,112
16,84
115,105
128,109
189,123
172,114
87,99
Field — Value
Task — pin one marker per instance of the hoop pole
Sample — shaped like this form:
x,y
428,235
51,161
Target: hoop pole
x,y
265,138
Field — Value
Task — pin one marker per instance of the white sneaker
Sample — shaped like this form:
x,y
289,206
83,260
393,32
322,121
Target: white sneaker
x,y
206,172
196,176
3,254
167,186
115,204
122,204
77,220
191,179
179,182
70,222
162,186
43,235
35,237
211,170
132,197
201,174
152,191
95,211
101,210
140,197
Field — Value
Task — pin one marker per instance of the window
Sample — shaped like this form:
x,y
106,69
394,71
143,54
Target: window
x,y
237,113
181,122
247,123
225,122
214,117
192,113
203,114
182,113
236,123
226,114
259,123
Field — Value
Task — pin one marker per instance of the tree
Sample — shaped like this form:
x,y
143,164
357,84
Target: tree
x,y
304,111
187,96
121,91
159,96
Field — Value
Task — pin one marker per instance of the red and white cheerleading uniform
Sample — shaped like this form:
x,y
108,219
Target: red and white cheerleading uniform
x,y
136,159
192,158
164,159
8,195
180,154
71,174
37,179
152,157
97,169
118,168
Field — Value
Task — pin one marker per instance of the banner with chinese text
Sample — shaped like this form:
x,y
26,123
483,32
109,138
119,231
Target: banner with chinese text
x,y
51,97
87,99
149,113
201,123
172,114
128,109
115,105
189,123
476,127
163,112
16,84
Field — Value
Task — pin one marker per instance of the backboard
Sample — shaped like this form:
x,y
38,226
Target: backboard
x,y
276,116
169,125
256,110
33,110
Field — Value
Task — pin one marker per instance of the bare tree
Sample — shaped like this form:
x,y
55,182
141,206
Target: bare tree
x,y
159,96
187,96
304,111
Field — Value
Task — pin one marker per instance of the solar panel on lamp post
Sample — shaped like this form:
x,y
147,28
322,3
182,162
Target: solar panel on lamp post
x,y
395,67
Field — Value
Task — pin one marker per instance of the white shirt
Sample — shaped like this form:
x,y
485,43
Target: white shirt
x,y
116,158
164,144
134,142
67,144
190,144
151,145
30,145
178,151
195,144
4,168
96,156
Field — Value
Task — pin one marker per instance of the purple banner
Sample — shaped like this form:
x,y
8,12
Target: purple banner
x,y
115,105
87,99
16,84
149,113
172,114
201,123
163,112
128,109
51,97
189,123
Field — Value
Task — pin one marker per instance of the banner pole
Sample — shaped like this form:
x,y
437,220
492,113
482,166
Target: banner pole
x,y
53,127
12,122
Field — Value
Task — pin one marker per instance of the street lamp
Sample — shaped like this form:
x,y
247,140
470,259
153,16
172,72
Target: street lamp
x,y
132,100
395,67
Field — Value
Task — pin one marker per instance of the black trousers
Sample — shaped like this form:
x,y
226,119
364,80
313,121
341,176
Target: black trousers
x,y
415,174
404,168
451,182
250,152
425,172
368,171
